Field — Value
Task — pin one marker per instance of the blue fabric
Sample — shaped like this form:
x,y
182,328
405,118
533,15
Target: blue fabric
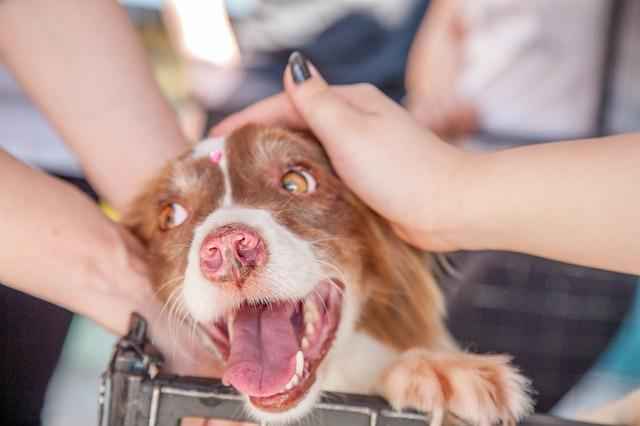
x,y
614,375
623,355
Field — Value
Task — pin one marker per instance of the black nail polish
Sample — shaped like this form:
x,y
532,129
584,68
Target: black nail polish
x,y
299,69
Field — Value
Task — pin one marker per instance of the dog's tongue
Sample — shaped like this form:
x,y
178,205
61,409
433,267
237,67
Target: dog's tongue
x,y
263,349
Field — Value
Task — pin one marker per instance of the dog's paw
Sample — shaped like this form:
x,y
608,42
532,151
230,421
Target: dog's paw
x,y
480,389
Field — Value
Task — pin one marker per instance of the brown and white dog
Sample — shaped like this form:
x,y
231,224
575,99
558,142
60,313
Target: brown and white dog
x,y
303,288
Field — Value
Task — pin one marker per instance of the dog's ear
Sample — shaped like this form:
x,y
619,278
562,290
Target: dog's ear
x,y
404,307
141,217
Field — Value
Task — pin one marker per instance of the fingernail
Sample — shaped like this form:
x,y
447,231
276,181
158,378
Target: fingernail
x,y
299,69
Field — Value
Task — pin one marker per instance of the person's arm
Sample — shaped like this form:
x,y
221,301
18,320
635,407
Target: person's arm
x,y
435,52
434,68
82,63
573,201
58,246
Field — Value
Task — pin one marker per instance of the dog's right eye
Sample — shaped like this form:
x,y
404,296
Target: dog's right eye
x,y
298,182
172,215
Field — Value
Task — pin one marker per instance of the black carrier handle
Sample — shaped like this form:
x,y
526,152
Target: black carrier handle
x,y
134,392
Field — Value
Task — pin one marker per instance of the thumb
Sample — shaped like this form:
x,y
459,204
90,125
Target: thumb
x,y
331,117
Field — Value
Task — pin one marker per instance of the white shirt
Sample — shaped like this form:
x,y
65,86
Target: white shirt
x,y
534,67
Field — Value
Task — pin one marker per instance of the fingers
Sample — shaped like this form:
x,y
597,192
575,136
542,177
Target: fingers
x,y
312,103
273,111
332,117
278,110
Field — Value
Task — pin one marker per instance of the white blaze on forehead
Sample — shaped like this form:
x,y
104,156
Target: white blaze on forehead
x,y
207,146
204,149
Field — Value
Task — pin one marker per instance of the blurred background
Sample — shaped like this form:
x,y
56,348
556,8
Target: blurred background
x,y
487,74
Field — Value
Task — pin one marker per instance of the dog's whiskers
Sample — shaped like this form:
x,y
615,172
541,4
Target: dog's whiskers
x,y
168,283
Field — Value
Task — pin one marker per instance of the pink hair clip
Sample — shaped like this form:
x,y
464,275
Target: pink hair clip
x,y
215,156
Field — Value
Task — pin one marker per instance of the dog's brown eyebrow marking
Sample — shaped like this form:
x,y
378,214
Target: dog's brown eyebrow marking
x,y
184,177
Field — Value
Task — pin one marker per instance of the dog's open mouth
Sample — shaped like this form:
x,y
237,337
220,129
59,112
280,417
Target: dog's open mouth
x,y
272,350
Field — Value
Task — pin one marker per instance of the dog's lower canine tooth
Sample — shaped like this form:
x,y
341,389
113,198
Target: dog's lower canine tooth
x,y
230,326
299,363
293,382
308,318
310,329
311,313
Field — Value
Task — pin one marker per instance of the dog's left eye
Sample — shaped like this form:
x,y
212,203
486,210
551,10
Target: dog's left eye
x,y
172,215
298,182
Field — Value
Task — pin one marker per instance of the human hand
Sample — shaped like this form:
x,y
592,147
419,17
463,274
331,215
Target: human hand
x,y
433,71
398,168
60,247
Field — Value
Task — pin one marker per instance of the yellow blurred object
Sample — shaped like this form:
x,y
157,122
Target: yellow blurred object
x,y
109,211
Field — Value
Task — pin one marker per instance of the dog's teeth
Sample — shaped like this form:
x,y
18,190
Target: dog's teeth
x,y
310,329
311,313
230,328
304,343
310,316
299,363
230,321
293,382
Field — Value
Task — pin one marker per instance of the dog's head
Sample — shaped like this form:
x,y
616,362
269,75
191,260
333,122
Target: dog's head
x,y
257,240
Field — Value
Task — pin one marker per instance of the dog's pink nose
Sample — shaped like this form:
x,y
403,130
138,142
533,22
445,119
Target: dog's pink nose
x,y
231,253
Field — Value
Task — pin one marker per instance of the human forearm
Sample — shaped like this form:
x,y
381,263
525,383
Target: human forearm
x,y
434,67
432,46
573,201
59,247
83,65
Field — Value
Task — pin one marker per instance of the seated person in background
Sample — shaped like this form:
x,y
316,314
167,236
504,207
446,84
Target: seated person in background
x,y
507,72
351,41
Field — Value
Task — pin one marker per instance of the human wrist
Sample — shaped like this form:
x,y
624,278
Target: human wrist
x,y
116,280
479,218
458,223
